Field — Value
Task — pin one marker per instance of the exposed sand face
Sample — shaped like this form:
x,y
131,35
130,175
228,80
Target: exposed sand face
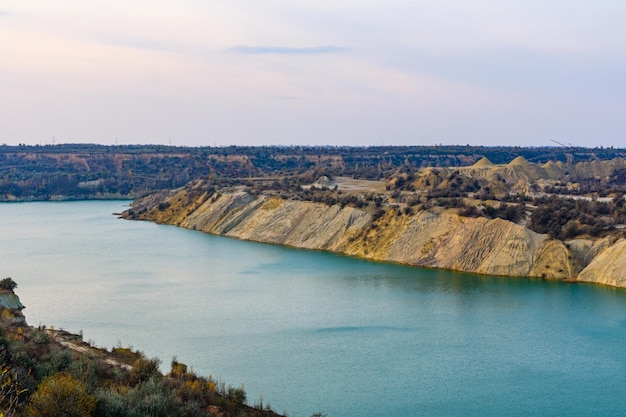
x,y
445,240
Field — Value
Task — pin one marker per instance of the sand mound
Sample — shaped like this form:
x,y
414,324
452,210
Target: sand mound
x,y
482,162
519,161
324,182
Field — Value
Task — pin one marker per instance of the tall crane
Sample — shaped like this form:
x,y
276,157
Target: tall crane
x,y
565,145
569,156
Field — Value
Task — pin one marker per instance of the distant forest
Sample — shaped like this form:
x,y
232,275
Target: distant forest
x,y
89,171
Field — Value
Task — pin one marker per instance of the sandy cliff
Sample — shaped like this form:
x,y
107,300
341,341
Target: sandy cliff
x,y
445,240
608,267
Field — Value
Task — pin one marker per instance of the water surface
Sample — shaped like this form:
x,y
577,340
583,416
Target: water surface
x,y
313,331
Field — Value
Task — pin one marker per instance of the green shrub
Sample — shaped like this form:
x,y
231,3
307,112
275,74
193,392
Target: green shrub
x,y
237,395
84,370
54,361
110,404
150,398
144,369
8,284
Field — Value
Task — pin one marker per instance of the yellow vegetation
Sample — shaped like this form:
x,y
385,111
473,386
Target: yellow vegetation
x,y
61,396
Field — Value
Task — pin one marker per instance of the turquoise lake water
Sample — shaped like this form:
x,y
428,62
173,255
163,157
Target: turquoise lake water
x,y
316,332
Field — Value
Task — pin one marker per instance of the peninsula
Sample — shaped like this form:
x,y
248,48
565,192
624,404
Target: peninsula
x,y
556,220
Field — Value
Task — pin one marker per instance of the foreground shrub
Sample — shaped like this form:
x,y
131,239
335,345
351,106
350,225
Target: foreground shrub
x,y
61,396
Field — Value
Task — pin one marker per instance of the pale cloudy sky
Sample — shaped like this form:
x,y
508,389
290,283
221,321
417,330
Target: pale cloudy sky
x,y
340,72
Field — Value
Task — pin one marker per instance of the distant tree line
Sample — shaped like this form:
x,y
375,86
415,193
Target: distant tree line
x,y
84,171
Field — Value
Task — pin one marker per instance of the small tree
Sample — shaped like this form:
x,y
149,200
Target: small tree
x,y
8,284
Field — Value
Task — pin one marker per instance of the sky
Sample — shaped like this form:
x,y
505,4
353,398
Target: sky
x,y
304,72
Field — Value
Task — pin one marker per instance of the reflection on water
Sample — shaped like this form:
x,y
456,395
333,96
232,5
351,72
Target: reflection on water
x,y
315,331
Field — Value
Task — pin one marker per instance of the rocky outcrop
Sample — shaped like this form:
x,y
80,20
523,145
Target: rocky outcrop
x,y
444,240
10,309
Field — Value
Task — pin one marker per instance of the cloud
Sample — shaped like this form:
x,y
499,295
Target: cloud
x,y
4,13
283,50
